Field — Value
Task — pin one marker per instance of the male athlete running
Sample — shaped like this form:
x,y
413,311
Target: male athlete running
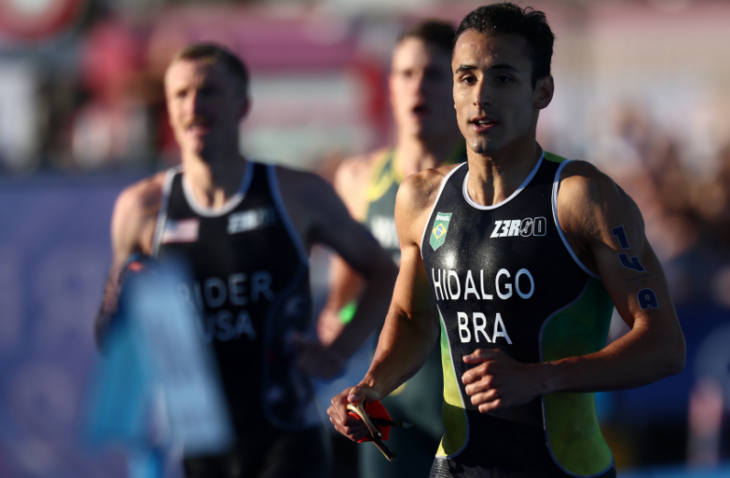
x,y
426,137
245,229
526,254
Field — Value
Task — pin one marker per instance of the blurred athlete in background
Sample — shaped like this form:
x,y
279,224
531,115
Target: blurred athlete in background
x,y
526,254
427,136
245,229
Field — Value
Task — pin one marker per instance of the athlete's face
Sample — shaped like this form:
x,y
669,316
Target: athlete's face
x,y
420,89
496,105
205,105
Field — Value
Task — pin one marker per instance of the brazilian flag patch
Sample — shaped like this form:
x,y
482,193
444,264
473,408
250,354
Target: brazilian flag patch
x,y
440,228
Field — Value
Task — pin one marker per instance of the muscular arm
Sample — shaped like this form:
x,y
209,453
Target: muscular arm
x,y
359,249
345,287
322,218
605,229
346,284
132,229
410,330
411,327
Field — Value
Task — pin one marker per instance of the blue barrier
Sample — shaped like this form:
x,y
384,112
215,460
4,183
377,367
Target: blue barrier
x,y
722,471
54,257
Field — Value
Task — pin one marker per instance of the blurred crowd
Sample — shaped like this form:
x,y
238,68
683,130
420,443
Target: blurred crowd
x,y
107,112
683,196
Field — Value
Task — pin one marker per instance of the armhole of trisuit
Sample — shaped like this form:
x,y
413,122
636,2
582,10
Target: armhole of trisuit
x,y
162,215
284,214
378,167
373,178
556,188
436,201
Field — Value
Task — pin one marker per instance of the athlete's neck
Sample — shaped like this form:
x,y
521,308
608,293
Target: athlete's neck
x,y
214,182
496,176
414,155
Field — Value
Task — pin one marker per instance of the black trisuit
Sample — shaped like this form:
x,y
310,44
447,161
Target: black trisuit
x,y
505,277
251,283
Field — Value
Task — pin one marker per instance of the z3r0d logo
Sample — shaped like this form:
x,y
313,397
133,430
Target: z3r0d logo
x,y
440,228
520,227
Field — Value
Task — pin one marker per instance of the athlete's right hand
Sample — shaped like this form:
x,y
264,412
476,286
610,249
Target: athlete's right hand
x,y
353,428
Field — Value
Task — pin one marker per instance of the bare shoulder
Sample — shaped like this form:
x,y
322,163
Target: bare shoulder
x,y
142,195
355,169
353,178
418,191
589,203
582,181
416,196
310,202
302,186
135,215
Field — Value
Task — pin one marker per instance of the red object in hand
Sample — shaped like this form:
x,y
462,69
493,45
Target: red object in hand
x,y
376,410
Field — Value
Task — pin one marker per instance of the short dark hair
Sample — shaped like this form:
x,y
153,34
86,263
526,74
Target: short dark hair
x,y
213,54
508,18
432,32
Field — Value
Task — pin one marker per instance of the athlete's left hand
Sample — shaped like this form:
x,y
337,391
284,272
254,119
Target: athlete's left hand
x,y
318,360
499,381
